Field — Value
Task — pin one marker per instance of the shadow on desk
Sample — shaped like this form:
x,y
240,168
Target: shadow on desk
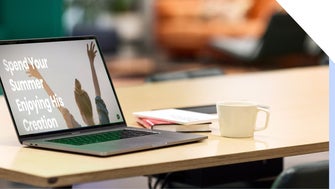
x,y
257,174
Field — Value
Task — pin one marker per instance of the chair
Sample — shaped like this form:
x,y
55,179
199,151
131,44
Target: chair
x,y
311,175
283,36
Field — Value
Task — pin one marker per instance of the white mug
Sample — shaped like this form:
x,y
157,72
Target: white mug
x,y
238,118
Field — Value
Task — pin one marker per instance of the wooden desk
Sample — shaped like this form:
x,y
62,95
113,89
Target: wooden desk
x,y
298,125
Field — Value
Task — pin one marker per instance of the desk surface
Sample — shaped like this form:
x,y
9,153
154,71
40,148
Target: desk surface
x,y
298,125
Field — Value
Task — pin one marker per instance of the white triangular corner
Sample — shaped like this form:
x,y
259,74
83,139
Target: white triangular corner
x,y
317,19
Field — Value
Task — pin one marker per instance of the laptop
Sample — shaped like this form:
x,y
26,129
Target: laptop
x,y
61,97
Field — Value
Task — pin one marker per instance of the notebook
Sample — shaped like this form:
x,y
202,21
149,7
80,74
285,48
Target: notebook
x,y
61,97
184,117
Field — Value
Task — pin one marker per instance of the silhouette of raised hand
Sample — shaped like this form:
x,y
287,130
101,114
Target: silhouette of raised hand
x,y
91,52
33,72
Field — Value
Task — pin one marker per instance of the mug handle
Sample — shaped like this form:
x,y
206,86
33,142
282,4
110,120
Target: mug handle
x,y
267,113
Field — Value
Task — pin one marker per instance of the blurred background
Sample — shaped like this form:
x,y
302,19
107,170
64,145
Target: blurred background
x,y
159,40
155,40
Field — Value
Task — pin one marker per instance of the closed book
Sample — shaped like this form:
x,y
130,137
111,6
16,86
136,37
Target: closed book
x,y
179,116
156,124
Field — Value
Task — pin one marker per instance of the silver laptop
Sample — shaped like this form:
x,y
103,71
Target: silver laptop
x,y
61,97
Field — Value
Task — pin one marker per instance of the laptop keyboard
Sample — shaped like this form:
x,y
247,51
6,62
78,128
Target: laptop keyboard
x,y
101,137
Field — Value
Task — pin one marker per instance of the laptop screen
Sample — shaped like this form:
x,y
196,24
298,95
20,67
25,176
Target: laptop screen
x,y
57,84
